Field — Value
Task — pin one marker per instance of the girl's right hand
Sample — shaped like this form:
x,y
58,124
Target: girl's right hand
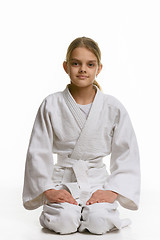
x,y
59,196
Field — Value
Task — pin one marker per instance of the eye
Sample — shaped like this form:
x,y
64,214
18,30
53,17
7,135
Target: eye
x,y
91,64
75,63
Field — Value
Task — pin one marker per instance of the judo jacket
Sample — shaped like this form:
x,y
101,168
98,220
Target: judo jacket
x,y
81,144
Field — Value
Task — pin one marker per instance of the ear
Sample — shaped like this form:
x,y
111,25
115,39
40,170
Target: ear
x,y
99,69
65,67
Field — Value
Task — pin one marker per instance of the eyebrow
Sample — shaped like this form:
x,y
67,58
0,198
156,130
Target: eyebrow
x,y
75,59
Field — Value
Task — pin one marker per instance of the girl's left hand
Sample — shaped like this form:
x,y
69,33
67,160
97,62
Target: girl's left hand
x,y
102,196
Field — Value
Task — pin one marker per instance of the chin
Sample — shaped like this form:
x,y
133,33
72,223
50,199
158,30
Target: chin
x,y
82,85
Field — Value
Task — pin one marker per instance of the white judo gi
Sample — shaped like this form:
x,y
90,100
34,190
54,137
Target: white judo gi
x,y
80,144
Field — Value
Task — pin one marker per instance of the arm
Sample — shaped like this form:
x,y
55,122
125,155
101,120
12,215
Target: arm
x,y
124,163
39,161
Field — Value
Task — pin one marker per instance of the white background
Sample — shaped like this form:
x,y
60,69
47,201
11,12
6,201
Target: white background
x,y
34,36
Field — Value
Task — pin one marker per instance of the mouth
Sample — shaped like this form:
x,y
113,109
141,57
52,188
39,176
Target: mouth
x,y
82,77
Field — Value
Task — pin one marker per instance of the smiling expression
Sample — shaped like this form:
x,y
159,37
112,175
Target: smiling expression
x,y
83,67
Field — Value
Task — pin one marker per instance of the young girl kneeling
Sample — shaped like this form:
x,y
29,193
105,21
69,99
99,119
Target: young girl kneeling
x,y
82,125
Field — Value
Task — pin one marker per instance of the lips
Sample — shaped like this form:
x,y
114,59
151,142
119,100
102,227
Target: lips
x,y
82,76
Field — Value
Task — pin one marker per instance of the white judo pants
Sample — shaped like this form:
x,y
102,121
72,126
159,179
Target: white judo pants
x,y
98,218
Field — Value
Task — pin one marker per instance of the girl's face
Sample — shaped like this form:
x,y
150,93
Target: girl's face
x,y
83,67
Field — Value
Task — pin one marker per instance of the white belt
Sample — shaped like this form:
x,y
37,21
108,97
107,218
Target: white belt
x,y
80,168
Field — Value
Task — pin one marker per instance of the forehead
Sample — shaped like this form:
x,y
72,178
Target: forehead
x,y
82,53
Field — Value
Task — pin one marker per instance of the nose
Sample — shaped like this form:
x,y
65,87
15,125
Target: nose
x,y
82,69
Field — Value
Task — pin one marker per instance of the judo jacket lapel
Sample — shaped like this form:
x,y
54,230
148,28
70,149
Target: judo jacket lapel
x,y
87,125
75,110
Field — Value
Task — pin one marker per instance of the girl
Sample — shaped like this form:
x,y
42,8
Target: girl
x,y
82,125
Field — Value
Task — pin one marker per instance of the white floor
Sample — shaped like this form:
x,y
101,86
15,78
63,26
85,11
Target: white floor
x,y
20,224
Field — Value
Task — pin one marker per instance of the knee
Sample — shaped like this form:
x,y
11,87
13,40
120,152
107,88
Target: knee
x,y
64,221
97,223
67,222
96,220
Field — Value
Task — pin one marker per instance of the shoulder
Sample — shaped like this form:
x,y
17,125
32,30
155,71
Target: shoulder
x,y
53,96
117,108
114,103
52,100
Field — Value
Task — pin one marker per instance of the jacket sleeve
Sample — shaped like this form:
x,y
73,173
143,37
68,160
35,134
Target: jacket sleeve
x,y
39,161
124,163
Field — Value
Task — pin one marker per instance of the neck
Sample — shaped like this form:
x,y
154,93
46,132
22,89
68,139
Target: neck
x,y
83,95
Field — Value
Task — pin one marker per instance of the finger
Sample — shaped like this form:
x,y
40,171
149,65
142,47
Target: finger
x,y
57,201
73,200
100,201
87,203
62,200
91,201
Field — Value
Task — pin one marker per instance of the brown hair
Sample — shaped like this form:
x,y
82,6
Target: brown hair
x,y
89,44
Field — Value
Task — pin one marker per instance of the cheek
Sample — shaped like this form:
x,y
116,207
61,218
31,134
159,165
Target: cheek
x,y
93,73
72,71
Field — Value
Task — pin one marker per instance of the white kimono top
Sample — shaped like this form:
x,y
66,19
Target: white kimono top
x,y
80,144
